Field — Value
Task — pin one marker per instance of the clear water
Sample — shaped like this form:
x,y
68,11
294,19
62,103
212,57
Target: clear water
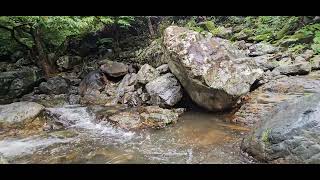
x,y
198,137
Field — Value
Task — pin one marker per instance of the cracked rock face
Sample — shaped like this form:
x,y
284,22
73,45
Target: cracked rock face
x,y
288,135
212,70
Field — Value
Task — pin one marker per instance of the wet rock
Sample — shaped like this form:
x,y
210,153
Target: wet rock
x,y
63,134
165,90
163,69
68,62
289,134
55,85
3,160
14,84
19,111
262,49
213,71
294,69
74,99
146,74
114,69
141,117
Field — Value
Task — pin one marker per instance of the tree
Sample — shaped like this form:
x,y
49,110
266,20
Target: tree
x,y
41,35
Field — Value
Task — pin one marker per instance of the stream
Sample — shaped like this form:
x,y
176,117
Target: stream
x,y
198,137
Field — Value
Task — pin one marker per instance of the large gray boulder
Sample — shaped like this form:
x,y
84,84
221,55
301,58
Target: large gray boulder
x,y
19,111
212,70
165,90
55,85
16,83
288,135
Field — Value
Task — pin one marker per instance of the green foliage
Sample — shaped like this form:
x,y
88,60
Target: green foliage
x,y
192,24
55,29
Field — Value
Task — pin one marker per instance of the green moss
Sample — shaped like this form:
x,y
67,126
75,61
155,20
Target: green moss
x,y
265,136
297,49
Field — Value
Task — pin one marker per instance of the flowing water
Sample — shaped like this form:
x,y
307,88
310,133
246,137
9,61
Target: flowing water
x,y
198,137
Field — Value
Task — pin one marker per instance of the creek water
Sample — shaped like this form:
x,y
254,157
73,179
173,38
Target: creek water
x,y
198,137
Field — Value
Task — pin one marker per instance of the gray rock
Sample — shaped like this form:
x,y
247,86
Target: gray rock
x,y
74,99
68,62
19,111
166,88
46,100
291,135
163,69
140,117
315,62
16,83
146,74
294,69
55,85
127,84
114,69
261,49
266,62
214,72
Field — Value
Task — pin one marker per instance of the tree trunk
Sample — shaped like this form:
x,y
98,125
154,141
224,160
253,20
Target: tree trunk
x,y
48,67
150,27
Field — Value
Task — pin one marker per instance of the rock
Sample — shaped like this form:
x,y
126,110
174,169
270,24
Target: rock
x,y
16,56
153,54
288,135
307,54
96,89
140,117
73,90
55,85
163,69
46,100
294,69
213,71
127,84
74,99
3,160
241,45
93,81
68,62
19,111
165,90
315,62
146,74
280,88
114,69
261,49
16,83
266,62
224,32
23,62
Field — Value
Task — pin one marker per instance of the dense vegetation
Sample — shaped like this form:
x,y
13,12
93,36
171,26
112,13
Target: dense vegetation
x,y
39,36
